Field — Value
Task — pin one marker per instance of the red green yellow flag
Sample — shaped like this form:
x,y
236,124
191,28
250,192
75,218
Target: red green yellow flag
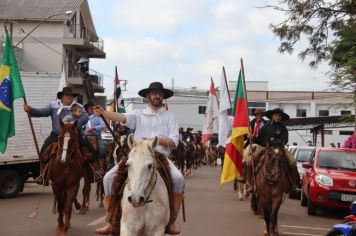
x,y
234,148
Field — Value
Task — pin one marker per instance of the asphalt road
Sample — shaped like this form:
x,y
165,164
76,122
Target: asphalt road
x,y
210,210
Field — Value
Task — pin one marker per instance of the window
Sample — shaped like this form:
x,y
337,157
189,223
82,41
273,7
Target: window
x,y
346,132
202,110
323,113
301,112
328,132
345,113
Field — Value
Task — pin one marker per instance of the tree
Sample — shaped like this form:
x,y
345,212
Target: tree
x,y
316,20
343,57
330,29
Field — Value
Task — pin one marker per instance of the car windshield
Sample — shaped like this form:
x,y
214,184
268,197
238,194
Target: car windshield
x,y
337,160
303,155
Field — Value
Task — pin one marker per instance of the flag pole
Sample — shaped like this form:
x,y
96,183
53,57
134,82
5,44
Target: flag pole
x,y
32,129
228,93
249,126
115,87
29,118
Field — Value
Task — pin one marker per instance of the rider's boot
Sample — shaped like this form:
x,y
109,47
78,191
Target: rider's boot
x,y
177,201
99,175
89,157
106,229
41,180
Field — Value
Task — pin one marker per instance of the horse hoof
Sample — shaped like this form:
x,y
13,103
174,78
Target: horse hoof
x,y
101,205
77,205
259,216
82,212
241,198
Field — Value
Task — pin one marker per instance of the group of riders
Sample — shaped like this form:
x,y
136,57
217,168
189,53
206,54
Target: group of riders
x,y
152,121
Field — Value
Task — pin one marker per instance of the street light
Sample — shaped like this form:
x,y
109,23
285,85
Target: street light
x,y
67,13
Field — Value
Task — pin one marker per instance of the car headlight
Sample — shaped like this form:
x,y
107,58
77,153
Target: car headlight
x,y
324,180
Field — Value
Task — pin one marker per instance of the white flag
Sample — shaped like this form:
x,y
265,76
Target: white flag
x,y
62,81
212,115
225,105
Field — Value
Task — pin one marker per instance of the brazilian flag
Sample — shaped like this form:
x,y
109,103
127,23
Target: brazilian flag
x,y
10,89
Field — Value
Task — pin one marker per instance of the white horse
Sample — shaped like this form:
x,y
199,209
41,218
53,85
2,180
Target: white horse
x,y
145,203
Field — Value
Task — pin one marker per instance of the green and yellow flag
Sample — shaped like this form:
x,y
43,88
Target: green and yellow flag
x,y
234,147
10,89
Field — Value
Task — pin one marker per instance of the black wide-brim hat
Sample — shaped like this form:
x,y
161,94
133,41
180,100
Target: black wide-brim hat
x,y
167,93
66,90
270,113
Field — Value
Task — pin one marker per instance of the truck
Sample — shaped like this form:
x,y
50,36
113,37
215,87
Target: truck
x,y
20,162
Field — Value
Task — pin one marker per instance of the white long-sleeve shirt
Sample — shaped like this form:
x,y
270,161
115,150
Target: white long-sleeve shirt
x,y
148,124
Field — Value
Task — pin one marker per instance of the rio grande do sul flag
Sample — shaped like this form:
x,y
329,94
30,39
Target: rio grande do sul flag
x,y
212,115
10,89
234,147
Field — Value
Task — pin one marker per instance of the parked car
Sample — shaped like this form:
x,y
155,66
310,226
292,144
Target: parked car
x,y
329,179
303,154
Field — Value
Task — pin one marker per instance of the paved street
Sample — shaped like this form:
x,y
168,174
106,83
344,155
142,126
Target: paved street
x,y
210,211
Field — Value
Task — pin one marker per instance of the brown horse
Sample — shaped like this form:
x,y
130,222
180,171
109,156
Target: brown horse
x,y
65,172
271,184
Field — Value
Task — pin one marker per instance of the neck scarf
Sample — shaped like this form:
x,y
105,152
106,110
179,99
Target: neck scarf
x,y
61,106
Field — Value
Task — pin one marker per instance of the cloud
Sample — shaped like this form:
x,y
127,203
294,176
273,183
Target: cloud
x,y
163,16
191,40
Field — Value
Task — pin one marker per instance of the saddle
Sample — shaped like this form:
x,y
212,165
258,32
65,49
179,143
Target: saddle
x,y
49,153
120,183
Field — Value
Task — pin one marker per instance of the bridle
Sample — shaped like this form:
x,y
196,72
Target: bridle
x,y
271,179
70,149
151,184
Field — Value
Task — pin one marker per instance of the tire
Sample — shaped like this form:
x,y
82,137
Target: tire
x,y
334,232
303,200
10,183
311,208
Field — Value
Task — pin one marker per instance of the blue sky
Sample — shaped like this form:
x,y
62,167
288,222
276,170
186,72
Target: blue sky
x,y
191,41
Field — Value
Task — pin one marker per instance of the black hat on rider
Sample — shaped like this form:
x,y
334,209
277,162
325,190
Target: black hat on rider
x,y
66,90
270,113
167,93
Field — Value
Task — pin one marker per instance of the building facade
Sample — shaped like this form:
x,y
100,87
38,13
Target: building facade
x,y
189,106
63,39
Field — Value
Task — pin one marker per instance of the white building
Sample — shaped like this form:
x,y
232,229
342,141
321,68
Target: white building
x,y
189,106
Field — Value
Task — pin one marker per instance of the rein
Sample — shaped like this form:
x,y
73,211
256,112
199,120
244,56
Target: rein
x,y
66,169
271,180
153,175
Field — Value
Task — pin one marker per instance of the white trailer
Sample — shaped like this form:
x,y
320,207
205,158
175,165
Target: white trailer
x,y
20,161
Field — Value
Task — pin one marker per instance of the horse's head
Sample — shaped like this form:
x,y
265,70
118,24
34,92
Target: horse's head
x,y
274,163
68,140
141,166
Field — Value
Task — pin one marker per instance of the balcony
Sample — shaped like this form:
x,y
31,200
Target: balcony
x,y
75,78
84,41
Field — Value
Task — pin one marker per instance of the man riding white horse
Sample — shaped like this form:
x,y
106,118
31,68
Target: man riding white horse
x,y
153,121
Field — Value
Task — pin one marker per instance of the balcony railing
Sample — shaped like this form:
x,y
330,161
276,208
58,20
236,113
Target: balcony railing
x,y
93,75
77,31
96,77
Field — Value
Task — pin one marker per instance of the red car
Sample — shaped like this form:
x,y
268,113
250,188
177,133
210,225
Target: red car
x,y
329,179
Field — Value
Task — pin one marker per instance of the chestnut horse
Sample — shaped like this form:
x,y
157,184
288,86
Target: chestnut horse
x,y
271,184
65,172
